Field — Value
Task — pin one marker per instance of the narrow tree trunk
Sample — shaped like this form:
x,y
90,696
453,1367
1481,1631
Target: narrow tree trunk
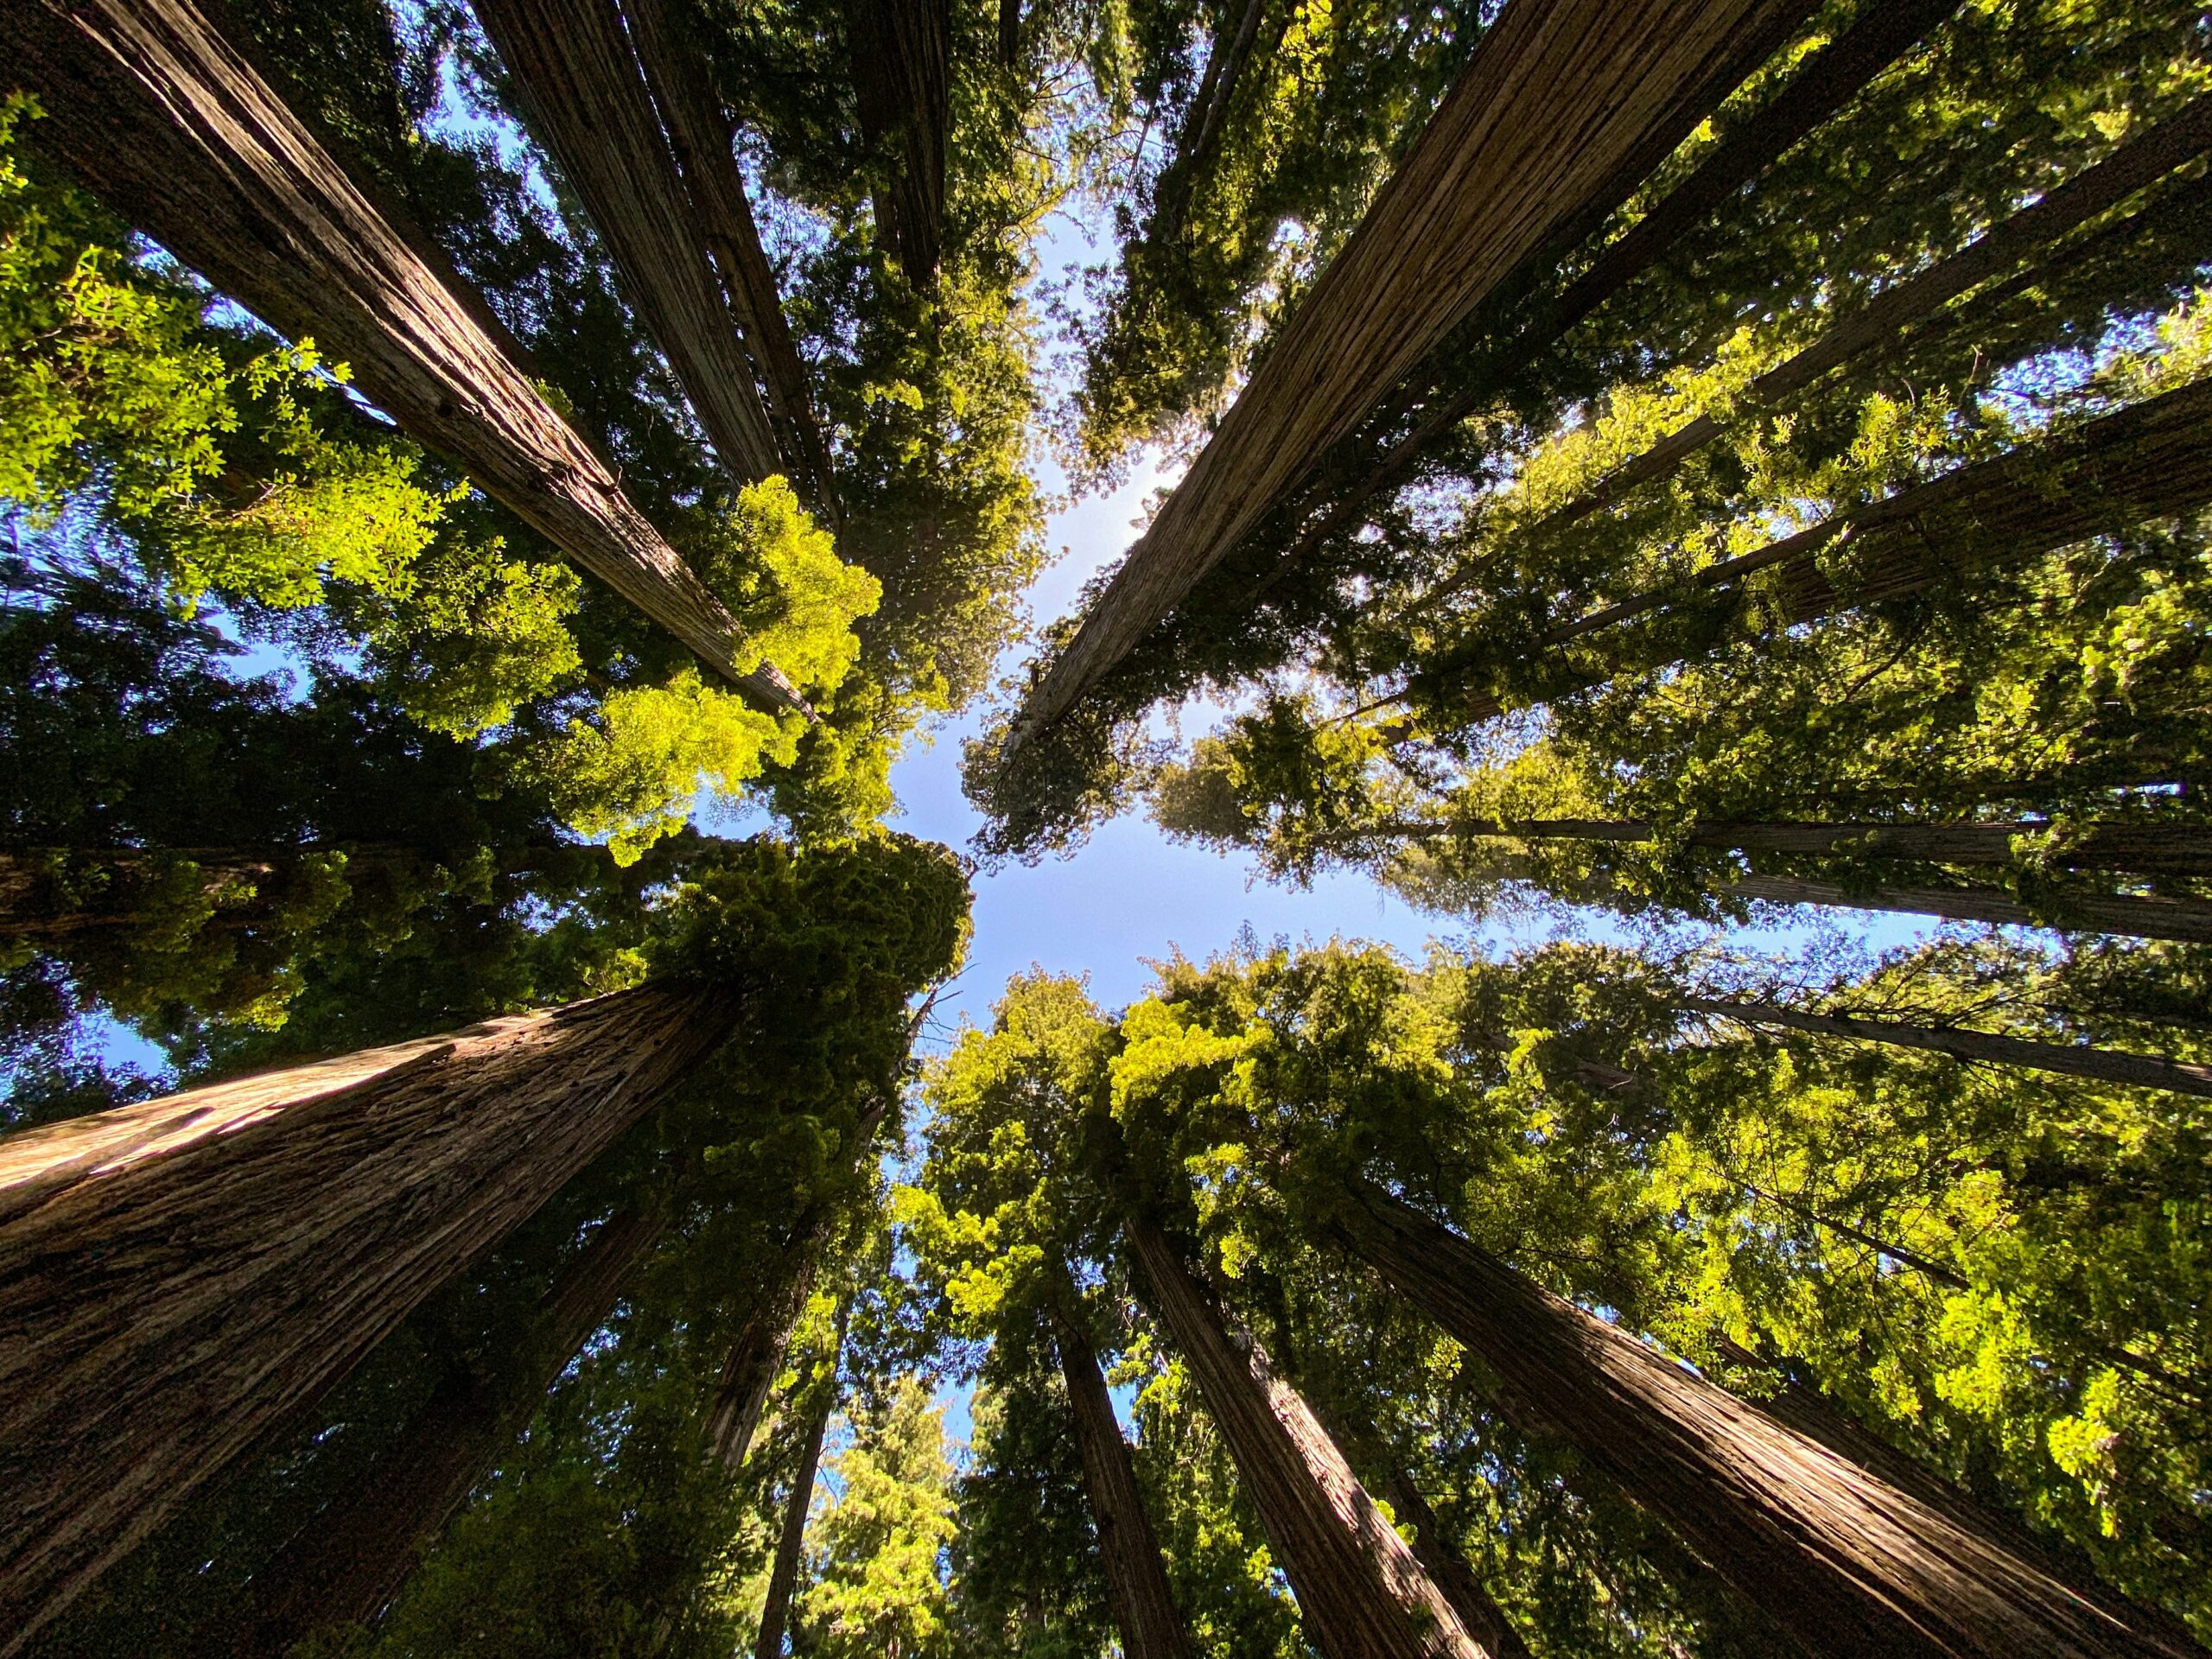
x,y
1361,1592
2186,919
176,1276
2147,848
586,99
2135,165
2068,1060
1009,33
901,60
1136,1578
783,1577
175,131
1225,64
699,133
1484,1619
353,1558
1847,1564
1562,109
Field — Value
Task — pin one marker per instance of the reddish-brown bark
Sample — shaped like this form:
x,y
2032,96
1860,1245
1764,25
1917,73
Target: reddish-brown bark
x,y
1846,1563
173,128
177,1276
1361,1594
353,1557
1562,109
1136,1579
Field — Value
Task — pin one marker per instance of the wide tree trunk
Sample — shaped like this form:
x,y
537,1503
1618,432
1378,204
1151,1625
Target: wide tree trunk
x,y
901,64
2186,919
1562,111
1829,80
586,98
1846,1563
173,128
2147,461
1361,1592
2139,162
699,133
1136,1578
353,1558
2068,1060
176,1276
783,1576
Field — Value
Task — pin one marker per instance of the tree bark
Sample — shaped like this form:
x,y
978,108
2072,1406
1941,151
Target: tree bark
x,y
1847,1564
1562,110
2186,919
586,98
699,132
171,127
176,1276
2135,165
783,1576
2068,1060
1361,1592
1484,1619
1136,1579
2149,461
902,54
1225,64
351,1562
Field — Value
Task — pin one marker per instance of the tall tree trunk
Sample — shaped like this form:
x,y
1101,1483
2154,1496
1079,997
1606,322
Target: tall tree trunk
x,y
167,124
1361,1592
2135,165
1834,75
1484,1619
1846,1563
176,1276
2187,919
2149,461
783,1576
586,99
2148,848
1136,1578
1562,110
699,133
901,62
353,1558
2068,1060
1202,125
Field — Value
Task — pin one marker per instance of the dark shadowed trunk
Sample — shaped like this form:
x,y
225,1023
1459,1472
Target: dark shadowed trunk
x,y
587,99
722,214
1361,1592
2070,1060
783,1576
1202,125
1484,1619
169,126
901,63
352,1559
1136,1579
1846,1563
2187,919
176,1276
1561,110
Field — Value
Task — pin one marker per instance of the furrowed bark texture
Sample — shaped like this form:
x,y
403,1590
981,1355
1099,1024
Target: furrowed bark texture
x,y
902,54
783,1576
1361,1592
586,99
699,133
1539,134
1484,1619
2073,1060
2147,461
169,126
174,1277
351,1562
2188,920
1136,1579
1847,1564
